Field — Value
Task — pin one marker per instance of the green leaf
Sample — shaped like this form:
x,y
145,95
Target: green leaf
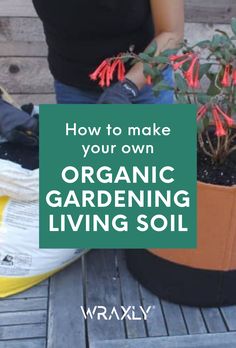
x,y
169,52
211,76
147,69
203,124
218,40
181,83
181,99
233,25
213,89
185,66
145,57
157,71
134,61
126,59
204,69
151,49
203,44
227,55
218,54
162,87
233,51
160,60
223,33
203,98
157,79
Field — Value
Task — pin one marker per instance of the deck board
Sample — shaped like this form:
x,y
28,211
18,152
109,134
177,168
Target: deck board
x,y
38,291
26,304
25,317
66,326
34,98
103,289
102,279
30,343
229,314
22,331
174,319
194,320
130,297
196,341
156,325
214,320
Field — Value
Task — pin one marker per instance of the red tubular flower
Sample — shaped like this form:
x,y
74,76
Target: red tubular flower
x,y
149,80
94,76
121,70
102,73
108,74
113,68
105,72
220,131
178,61
102,77
234,77
192,74
196,82
176,57
201,112
178,65
228,119
226,78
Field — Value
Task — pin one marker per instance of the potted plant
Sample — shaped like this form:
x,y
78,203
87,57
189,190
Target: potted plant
x,y
204,74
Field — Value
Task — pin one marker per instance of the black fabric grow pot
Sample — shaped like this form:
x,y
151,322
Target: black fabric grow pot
x,y
182,284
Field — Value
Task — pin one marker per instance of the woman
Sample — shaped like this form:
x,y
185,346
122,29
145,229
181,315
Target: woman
x,y
82,33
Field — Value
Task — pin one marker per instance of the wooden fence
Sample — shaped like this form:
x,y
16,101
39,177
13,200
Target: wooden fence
x,y
23,63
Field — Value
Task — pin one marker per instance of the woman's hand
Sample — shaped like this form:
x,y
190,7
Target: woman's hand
x,y
168,20
120,93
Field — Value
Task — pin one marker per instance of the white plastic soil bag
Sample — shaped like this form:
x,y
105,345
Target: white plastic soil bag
x,y
22,263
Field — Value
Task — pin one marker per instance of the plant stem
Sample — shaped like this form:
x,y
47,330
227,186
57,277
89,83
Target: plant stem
x,y
202,145
210,143
232,150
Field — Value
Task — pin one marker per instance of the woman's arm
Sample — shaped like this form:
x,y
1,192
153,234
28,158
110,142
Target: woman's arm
x,y
168,19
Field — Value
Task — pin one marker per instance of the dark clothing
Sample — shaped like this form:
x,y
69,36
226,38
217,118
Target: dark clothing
x,y
27,157
17,126
81,33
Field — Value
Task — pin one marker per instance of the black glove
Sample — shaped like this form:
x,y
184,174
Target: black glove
x,y
123,92
31,109
17,126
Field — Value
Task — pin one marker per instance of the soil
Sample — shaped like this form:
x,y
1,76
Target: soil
x,y
217,174
27,157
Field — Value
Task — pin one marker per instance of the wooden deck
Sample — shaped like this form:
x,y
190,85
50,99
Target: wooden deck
x,y
49,315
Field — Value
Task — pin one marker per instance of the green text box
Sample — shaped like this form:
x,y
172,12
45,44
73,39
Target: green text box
x,y
146,149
